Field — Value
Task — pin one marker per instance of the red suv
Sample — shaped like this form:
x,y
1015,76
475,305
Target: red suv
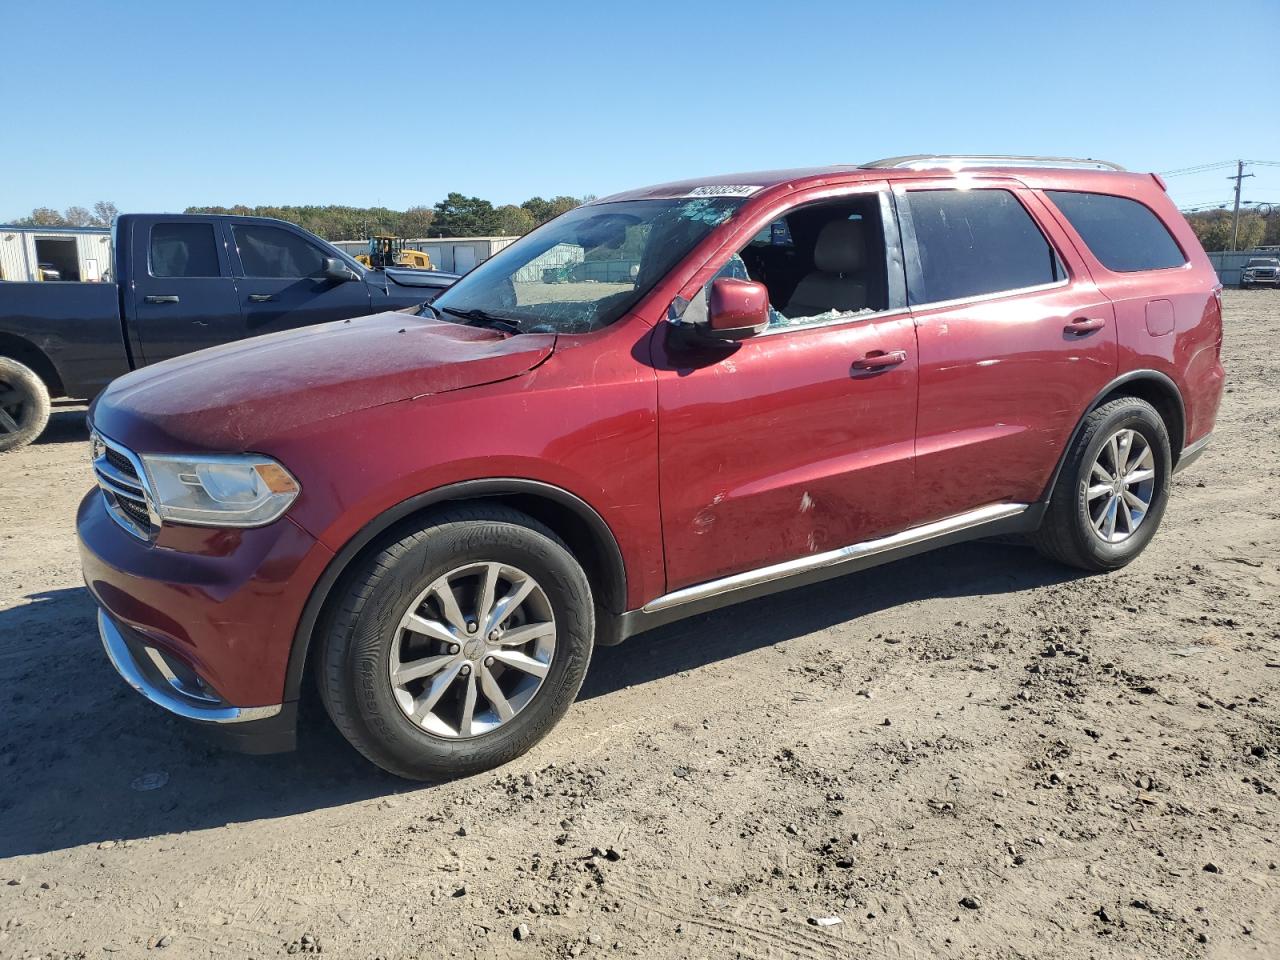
x,y
660,402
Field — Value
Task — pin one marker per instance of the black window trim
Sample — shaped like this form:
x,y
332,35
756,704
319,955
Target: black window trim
x,y
1060,214
224,272
915,276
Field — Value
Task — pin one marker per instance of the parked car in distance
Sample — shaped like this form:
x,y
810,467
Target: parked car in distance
x,y
807,372
1260,272
184,282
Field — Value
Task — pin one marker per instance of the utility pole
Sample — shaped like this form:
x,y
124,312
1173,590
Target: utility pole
x,y
1235,216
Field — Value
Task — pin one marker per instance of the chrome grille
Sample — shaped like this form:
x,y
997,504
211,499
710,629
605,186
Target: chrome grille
x,y
124,489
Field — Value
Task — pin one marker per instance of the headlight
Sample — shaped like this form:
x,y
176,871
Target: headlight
x,y
220,491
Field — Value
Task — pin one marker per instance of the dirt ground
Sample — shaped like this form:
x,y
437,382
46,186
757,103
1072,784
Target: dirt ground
x,y
969,754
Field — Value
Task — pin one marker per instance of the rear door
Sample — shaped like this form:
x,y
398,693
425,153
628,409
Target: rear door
x,y
1014,341
281,283
184,297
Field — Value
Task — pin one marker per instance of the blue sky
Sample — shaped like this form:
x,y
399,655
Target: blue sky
x,y
160,105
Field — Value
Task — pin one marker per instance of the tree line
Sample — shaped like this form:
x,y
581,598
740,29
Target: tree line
x,y
455,216
101,215
1257,228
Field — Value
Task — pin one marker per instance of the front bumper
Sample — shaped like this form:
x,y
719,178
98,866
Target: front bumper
x,y
1261,281
265,729
202,621
166,683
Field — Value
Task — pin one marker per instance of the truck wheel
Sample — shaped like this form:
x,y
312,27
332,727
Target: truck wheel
x,y
24,405
1112,491
458,644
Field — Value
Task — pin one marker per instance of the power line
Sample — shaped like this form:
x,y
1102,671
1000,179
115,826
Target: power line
x,y
1184,171
1205,167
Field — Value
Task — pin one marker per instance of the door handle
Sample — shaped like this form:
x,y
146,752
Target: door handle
x,y
154,298
879,360
1085,325
260,297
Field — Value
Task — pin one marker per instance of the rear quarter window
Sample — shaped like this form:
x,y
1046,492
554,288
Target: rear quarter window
x,y
1123,234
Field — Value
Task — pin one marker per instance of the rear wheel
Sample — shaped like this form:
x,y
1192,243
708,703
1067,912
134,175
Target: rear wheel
x,y
24,405
1112,491
459,644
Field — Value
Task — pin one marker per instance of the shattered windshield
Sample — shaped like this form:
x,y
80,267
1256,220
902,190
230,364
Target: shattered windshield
x,y
585,269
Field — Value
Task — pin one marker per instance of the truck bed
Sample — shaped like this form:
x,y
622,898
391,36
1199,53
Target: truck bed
x,y
76,325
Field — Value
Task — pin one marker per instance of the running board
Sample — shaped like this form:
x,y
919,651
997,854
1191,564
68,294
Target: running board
x,y
991,520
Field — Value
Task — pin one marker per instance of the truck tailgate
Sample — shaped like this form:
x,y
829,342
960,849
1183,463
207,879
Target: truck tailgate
x,y
76,325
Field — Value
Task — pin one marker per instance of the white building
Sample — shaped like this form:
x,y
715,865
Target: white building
x,y
75,253
450,254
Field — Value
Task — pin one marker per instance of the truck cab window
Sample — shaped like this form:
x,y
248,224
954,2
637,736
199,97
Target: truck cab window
x,y
184,250
276,253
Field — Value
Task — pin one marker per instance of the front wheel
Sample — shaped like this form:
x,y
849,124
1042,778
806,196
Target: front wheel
x,y
24,405
458,645
1112,491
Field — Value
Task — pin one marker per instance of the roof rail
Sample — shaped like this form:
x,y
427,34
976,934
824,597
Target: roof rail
x,y
924,161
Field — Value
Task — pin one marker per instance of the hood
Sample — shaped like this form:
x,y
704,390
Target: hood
x,y
236,396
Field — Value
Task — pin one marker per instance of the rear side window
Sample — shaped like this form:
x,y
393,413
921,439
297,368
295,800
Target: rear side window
x,y
273,252
1123,234
976,242
184,250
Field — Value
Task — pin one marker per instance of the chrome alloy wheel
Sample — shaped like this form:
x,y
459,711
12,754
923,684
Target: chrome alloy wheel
x,y
472,650
1121,482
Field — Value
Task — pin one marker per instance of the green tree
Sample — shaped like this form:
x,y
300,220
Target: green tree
x,y
543,210
1272,234
1213,230
104,213
460,216
416,222
1252,229
77,217
513,221
43,217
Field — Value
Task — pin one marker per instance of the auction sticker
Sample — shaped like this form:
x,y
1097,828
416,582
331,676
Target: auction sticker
x,y
723,190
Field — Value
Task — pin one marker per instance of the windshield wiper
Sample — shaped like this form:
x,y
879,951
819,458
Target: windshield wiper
x,y
510,324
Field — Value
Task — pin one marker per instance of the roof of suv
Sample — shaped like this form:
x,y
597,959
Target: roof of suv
x,y
1035,171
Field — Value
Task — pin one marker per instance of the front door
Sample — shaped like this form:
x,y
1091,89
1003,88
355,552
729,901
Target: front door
x,y
184,298
1014,337
799,440
282,284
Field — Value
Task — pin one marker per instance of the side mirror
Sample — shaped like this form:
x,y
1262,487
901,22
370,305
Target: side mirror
x,y
737,309
335,269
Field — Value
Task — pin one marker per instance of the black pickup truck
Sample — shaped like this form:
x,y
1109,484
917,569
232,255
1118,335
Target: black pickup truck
x,y
182,283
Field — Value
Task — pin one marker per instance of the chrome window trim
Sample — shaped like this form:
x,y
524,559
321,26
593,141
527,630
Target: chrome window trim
x,y
774,329
999,294
831,558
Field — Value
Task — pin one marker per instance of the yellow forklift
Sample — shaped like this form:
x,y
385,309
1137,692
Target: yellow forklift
x,y
387,251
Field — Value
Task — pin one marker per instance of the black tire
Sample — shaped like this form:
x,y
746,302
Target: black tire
x,y
1066,533
24,405
355,645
